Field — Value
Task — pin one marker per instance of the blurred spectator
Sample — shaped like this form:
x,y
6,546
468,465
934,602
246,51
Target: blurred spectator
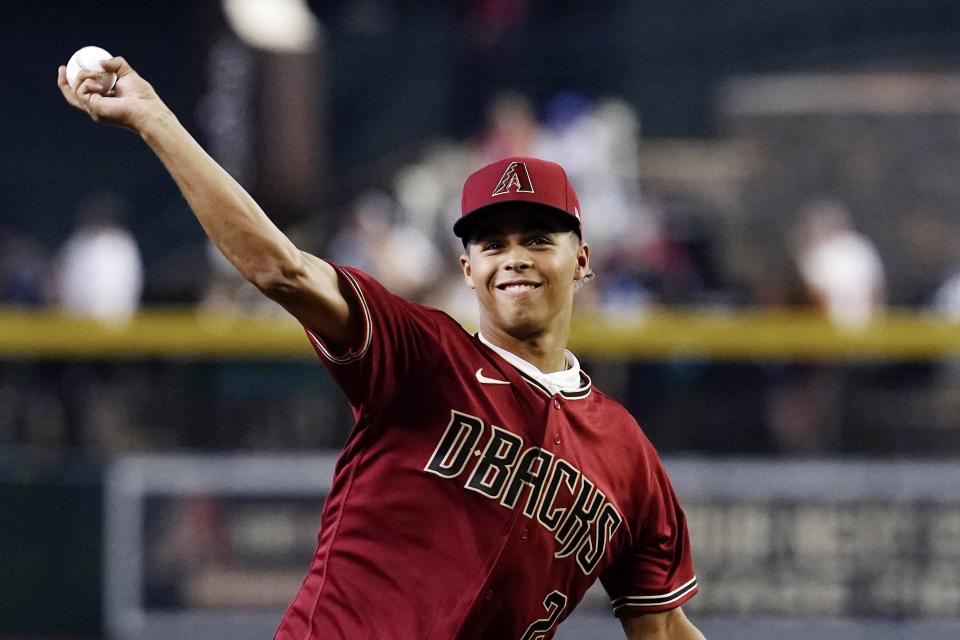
x,y
666,260
596,144
380,241
99,272
945,386
24,265
840,268
841,273
428,191
512,128
946,299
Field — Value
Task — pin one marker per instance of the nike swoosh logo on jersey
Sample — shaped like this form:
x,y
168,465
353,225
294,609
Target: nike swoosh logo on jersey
x,y
485,380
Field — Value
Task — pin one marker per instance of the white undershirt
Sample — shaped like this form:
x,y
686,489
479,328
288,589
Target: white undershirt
x,y
566,380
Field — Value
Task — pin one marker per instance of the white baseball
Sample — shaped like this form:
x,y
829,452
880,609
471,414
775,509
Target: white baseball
x,y
88,59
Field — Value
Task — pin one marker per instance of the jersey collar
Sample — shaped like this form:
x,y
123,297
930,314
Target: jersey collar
x,y
571,383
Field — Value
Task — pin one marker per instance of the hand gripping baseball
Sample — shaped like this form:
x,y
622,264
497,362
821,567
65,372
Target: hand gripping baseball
x,y
129,104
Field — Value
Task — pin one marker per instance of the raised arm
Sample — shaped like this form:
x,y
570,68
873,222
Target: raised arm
x,y
306,286
669,625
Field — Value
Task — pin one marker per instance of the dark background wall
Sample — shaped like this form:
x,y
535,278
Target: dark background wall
x,y
421,69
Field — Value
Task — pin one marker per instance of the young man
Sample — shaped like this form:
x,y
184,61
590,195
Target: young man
x,y
486,484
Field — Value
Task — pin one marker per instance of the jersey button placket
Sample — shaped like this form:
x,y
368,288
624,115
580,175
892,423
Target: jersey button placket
x,y
555,425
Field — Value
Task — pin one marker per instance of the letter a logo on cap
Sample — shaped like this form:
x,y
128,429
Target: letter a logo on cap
x,y
515,178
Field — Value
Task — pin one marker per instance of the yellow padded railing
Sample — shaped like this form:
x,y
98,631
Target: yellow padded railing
x,y
724,335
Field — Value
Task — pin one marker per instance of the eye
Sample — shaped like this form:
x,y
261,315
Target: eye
x,y
539,240
490,245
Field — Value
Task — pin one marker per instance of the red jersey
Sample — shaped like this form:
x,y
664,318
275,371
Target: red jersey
x,y
469,502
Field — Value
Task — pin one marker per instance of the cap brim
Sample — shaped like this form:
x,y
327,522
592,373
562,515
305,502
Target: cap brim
x,y
466,225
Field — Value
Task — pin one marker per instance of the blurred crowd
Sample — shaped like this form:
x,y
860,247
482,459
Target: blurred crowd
x,y
97,272
645,251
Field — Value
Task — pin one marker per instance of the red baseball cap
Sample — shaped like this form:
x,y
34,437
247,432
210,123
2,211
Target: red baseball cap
x,y
517,179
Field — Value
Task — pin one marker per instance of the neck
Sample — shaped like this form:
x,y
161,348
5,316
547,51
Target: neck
x,y
544,351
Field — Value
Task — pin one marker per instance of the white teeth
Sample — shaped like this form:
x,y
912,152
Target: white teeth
x,y
518,287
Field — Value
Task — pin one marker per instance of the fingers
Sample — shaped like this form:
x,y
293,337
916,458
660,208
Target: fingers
x,y
88,85
66,89
117,65
81,97
96,76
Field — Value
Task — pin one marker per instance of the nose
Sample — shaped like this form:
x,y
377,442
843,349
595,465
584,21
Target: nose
x,y
518,259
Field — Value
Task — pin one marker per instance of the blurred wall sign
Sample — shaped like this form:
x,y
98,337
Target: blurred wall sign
x,y
214,546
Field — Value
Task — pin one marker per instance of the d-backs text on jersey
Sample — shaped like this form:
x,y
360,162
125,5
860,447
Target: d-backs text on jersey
x,y
508,472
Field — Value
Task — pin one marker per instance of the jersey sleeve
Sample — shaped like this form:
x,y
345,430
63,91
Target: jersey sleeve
x,y
655,572
399,345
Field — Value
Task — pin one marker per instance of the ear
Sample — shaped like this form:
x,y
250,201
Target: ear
x,y
583,261
467,271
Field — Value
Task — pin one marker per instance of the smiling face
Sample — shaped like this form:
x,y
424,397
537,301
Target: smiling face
x,y
524,265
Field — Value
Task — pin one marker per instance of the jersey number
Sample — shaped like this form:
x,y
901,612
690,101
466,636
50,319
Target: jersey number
x,y
554,603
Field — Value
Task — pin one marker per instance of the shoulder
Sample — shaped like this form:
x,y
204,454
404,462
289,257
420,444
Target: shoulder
x,y
373,293
369,287
617,414
635,455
